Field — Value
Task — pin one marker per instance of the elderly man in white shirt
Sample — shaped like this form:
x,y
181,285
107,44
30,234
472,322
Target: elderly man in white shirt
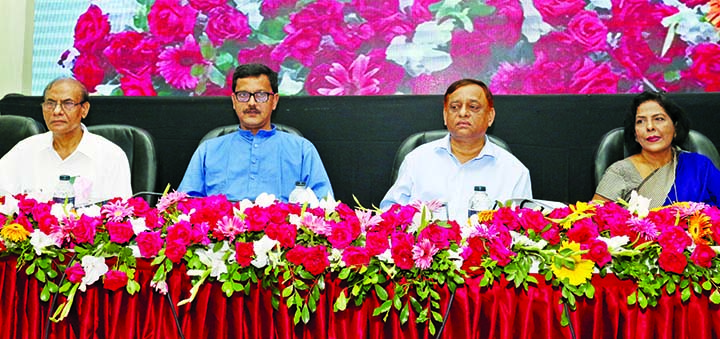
x,y
100,168
448,169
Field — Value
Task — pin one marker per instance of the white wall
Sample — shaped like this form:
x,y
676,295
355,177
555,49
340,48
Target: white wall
x,y
16,30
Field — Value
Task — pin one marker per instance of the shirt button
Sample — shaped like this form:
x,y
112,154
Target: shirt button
x,y
254,161
252,177
255,145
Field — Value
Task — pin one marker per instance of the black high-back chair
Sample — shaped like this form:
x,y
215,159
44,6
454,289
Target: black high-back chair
x,y
139,147
417,139
14,128
612,148
222,130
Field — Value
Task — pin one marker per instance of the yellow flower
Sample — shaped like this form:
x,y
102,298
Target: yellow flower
x,y
580,210
14,232
485,216
700,228
582,271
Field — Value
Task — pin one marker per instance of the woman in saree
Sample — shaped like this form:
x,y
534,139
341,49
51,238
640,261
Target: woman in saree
x,y
657,168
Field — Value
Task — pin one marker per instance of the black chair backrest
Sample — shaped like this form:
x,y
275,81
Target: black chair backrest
x,y
222,130
139,147
14,128
417,139
612,148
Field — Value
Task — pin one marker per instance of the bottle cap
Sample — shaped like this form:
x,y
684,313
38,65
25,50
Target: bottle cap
x,y
65,177
299,183
479,188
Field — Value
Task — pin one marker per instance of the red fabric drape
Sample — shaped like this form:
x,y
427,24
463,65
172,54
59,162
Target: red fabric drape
x,y
497,312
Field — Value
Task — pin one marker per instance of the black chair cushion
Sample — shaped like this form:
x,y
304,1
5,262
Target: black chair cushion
x,y
14,128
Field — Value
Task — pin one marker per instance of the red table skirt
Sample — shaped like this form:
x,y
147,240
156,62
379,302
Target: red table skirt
x,y
497,312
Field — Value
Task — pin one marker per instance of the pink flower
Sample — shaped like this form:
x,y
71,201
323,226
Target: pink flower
x,y
244,253
115,280
376,243
75,273
175,64
207,5
149,243
705,66
175,250
271,8
703,256
586,29
644,227
169,22
343,234
227,23
592,78
500,252
230,226
258,54
423,253
91,31
314,259
170,199
367,74
284,233
674,239
583,231
316,224
120,232
509,78
558,12
116,211
439,236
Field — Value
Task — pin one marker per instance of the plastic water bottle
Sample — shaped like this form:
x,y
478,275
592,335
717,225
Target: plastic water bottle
x,y
64,191
479,201
299,194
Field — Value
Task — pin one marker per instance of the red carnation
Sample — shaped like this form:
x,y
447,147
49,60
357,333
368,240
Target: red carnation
x,y
115,280
244,253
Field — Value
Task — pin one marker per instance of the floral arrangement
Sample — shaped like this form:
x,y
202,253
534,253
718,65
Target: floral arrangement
x,y
400,255
330,47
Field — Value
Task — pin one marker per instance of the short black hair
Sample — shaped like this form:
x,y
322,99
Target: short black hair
x,y
464,82
83,90
676,113
255,70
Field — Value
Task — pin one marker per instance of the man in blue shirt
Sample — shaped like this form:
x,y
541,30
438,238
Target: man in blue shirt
x,y
449,168
257,158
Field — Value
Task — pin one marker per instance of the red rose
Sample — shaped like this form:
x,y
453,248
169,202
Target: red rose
x,y
437,235
500,252
168,21
140,85
91,31
672,261
586,29
473,256
284,233
87,69
115,280
207,5
706,66
583,231
592,78
703,256
356,256
75,273
401,250
175,250
674,239
120,232
558,12
244,253
132,53
341,234
227,23
179,232
149,243
552,235
376,243
314,259
84,229
597,252
532,220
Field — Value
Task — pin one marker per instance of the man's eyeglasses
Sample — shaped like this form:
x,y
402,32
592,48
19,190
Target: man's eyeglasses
x,y
244,96
66,105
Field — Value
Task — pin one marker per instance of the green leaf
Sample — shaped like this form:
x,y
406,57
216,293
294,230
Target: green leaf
x,y
45,294
381,292
340,302
396,302
405,313
685,294
311,303
197,70
30,269
642,299
715,297
305,314
287,291
670,287
707,285
589,291
40,275
384,308
344,273
52,274
52,287
227,287
632,299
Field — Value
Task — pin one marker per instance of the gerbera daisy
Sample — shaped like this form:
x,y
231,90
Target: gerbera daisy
x,y
14,232
582,270
176,64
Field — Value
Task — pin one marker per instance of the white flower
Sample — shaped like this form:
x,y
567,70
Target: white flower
x,y
261,248
639,204
90,210
94,267
525,242
424,54
39,240
243,205
385,256
160,286
138,225
615,244
215,261
456,258
60,211
264,200
328,204
336,256
10,206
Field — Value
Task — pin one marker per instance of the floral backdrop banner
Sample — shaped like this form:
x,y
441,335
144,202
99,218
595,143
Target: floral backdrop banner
x,y
364,47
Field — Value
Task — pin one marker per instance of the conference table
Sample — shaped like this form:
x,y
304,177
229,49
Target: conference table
x,y
499,311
